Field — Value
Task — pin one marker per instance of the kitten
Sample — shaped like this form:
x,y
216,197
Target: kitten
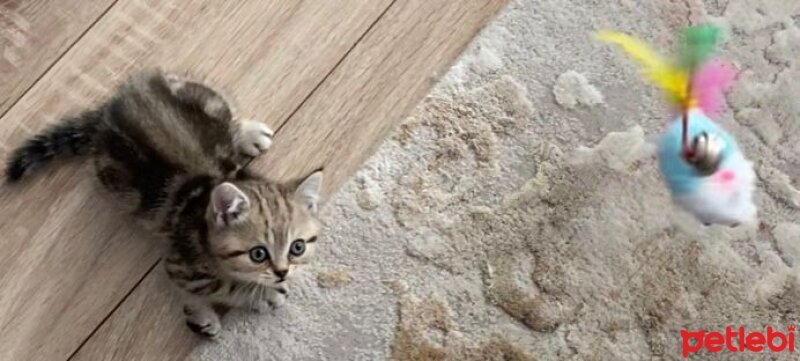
x,y
172,152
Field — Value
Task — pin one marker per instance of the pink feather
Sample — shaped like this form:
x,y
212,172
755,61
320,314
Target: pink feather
x,y
709,85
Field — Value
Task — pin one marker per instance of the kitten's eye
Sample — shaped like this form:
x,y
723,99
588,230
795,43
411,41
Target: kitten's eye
x,y
298,247
259,254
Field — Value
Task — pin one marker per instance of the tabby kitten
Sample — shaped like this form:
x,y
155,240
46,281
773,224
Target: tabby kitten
x,y
172,152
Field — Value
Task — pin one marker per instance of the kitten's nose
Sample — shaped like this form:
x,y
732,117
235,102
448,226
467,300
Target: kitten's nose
x,y
281,273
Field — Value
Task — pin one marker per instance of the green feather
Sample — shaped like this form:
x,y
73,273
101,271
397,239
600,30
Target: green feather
x,y
697,45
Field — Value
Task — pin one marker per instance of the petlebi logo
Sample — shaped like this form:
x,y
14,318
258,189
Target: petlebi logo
x,y
738,340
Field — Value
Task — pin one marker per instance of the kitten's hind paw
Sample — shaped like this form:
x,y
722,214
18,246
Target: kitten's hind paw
x,y
253,138
175,82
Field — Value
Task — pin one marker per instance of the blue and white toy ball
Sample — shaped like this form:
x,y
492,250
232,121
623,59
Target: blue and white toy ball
x,y
703,167
717,186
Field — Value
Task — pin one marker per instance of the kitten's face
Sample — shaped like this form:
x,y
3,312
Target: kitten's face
x,y
260,232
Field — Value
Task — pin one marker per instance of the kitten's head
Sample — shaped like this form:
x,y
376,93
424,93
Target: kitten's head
x,y
261,231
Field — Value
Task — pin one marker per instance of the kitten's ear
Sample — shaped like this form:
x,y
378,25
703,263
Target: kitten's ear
x,y
308,189
229,205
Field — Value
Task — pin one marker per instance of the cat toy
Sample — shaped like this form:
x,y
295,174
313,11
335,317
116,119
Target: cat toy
x,y
703,167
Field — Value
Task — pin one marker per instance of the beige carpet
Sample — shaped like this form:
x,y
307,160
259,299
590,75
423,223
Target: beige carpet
x,y
518,213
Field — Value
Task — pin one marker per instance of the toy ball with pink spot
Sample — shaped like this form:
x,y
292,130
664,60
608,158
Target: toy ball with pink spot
x,y
702,165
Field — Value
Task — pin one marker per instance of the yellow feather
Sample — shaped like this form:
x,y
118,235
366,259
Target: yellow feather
x,y
670,79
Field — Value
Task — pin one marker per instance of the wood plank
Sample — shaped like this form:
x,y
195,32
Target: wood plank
x,y
387,73
34,34
68,259
169,340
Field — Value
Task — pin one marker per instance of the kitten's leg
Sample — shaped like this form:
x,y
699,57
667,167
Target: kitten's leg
x,y
212,103
201,317
251,138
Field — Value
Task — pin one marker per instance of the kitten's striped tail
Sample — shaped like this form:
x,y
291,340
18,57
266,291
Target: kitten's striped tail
x,y
71,136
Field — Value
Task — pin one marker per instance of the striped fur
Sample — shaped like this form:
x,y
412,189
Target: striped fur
x,y
73,136
173,153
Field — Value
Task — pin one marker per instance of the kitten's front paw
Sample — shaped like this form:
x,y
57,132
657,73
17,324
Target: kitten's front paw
x,y
253,138
202,321
261,307
277,298
274,298
209,329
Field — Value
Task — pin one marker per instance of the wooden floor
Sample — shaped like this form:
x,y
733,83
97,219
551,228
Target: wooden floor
x,y
79,282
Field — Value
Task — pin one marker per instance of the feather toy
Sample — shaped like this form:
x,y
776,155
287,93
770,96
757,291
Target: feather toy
x,y
705,170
